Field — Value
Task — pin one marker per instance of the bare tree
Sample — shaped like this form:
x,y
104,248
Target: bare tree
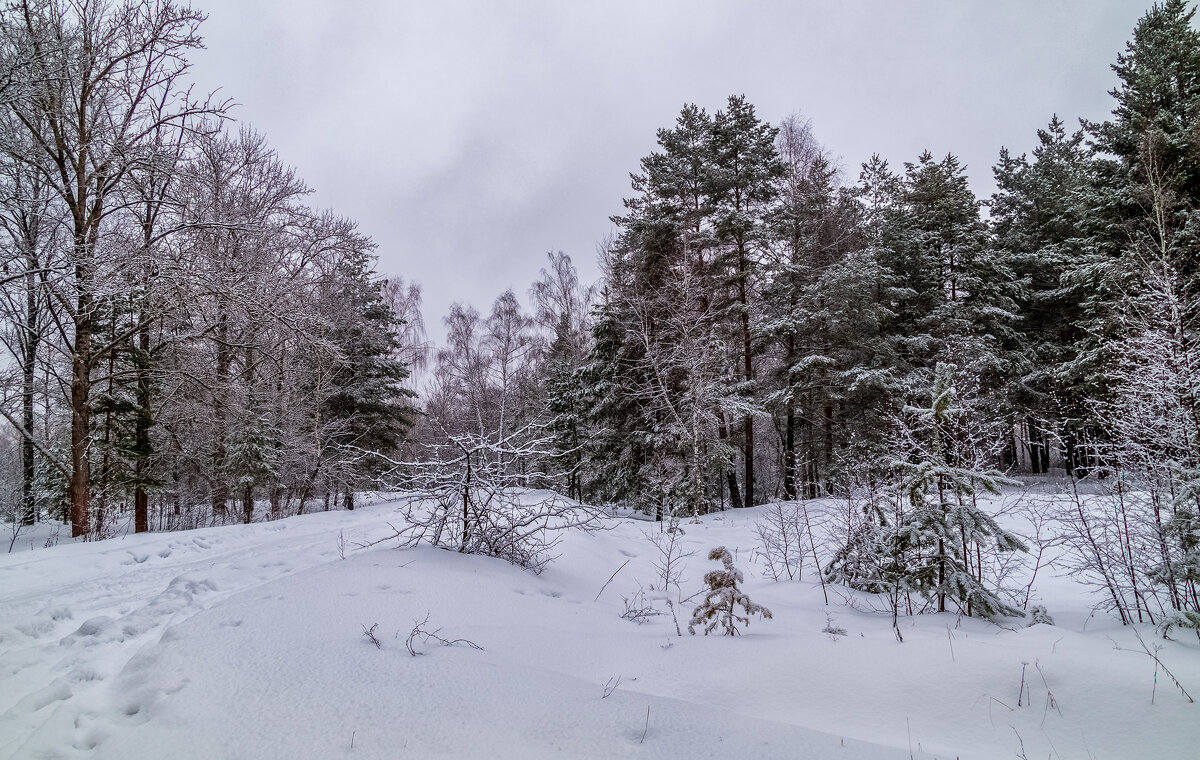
x,y
89,104
463,496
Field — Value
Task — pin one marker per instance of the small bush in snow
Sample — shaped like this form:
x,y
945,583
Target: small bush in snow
x,y
1179,619
671,553
718,611
832,628
1038,614
468,495
638,608
780,532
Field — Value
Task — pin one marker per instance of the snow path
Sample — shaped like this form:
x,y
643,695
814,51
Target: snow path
x,y
247,642
66,633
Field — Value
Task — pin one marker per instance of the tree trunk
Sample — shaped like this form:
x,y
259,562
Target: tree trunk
x,y
735,496
28,359
748,366
220,489
248,503
466,502
101,506
81,390
828,446
141,500
789,456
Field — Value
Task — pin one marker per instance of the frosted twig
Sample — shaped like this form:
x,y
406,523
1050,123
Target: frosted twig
x,y
610,580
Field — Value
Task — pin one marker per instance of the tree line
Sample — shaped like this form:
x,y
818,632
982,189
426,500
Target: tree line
x,y
769,326
188,339
185,334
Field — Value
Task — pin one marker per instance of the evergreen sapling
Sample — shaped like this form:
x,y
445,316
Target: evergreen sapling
x,y
718,611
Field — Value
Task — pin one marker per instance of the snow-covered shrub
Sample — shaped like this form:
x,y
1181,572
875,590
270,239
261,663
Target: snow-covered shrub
x,y
638,608
1038,614
780,532
1179,619
718,611
1134,531
471,495
864,557
832,628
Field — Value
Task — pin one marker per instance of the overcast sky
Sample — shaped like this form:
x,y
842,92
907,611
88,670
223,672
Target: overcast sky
x,y
470,138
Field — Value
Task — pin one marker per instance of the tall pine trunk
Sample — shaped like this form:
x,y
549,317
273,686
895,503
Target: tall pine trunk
x,y
735,496
748,366
789,455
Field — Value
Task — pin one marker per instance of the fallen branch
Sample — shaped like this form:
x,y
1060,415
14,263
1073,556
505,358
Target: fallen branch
x,y
1158,663
418,631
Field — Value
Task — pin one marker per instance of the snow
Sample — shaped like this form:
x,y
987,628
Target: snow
x,y
247,641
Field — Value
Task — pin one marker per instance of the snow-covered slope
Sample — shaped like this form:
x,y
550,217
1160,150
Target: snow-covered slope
x,y
247,642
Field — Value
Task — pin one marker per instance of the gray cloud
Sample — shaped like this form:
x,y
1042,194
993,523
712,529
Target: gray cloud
x,y
469,138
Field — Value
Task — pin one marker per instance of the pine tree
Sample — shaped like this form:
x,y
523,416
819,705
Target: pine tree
x,y
1144,186
943,526
744,182
254,454
655,337
718,611
815,226
955,297
1037,218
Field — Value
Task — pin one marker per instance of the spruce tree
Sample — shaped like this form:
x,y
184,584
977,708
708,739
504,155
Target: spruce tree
x,y
366,404
1144,187
944,529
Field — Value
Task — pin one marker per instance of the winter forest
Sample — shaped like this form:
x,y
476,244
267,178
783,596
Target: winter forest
x,y
901,395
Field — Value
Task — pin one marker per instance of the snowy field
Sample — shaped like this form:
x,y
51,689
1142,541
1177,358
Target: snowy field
x,y
247,641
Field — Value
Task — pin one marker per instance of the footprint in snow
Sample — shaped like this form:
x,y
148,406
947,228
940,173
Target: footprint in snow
x,y
35,629
91,627
58,691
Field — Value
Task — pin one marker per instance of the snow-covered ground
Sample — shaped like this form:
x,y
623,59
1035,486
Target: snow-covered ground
x,y
247,641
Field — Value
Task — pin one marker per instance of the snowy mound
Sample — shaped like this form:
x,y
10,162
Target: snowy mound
x,y
251,641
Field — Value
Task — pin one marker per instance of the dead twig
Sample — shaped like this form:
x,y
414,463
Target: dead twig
x,y
419,631
610,580
370,634
1158,663
611,686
